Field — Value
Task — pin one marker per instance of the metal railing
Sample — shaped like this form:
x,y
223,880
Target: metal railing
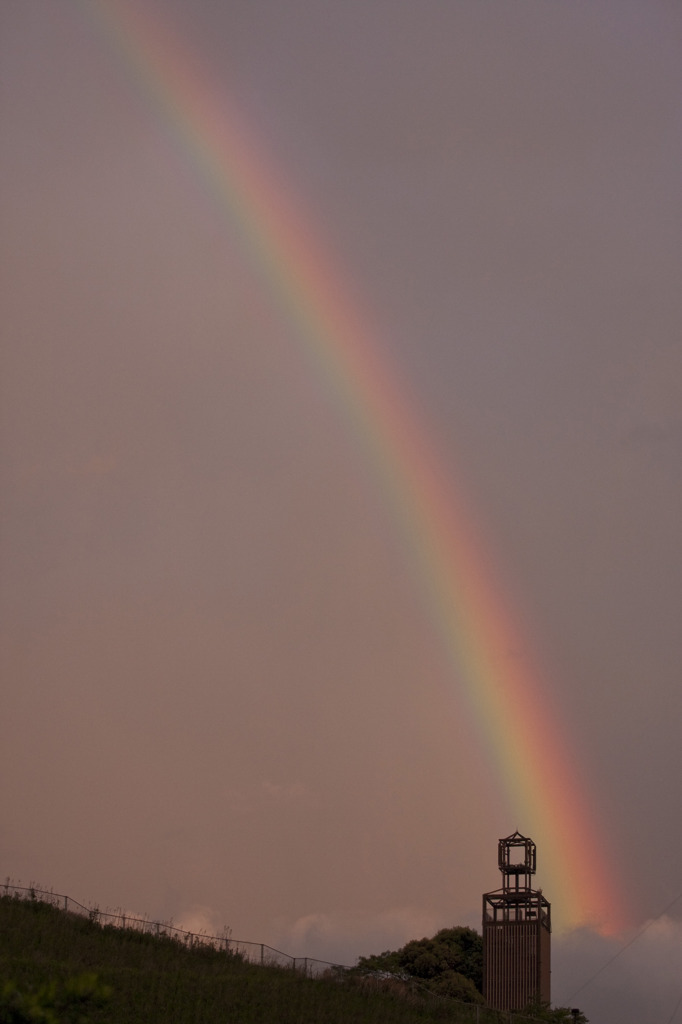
x,y
254,952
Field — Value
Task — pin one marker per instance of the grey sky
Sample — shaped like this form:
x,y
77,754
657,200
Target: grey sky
x,y
223,694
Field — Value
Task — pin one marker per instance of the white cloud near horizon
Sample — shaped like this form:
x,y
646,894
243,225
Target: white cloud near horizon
x,y
635,980
343,937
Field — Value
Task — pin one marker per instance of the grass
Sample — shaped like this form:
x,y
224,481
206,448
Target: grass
x,y
158,980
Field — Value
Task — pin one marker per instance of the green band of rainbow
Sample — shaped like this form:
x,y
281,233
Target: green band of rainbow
x,y
504,695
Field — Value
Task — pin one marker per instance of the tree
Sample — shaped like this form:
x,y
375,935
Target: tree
x,y
554,1014
52,1003
451,963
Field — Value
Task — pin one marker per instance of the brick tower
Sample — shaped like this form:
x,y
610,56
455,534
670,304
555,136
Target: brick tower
x,y
516,931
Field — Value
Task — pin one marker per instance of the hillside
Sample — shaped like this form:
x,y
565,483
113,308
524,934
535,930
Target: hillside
x,y
157,979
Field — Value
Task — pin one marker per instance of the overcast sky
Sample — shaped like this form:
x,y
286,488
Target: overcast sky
x,y
224,697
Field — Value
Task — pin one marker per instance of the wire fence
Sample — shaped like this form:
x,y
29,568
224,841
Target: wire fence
x,y
256,952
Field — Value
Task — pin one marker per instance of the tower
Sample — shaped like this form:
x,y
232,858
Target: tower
x,y
516,931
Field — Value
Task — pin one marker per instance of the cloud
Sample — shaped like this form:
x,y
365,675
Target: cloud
x,y
610,980
343,937
199,920
285,792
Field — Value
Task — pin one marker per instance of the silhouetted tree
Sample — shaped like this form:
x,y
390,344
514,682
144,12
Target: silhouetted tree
x,y
554,1014
54,1003
450,963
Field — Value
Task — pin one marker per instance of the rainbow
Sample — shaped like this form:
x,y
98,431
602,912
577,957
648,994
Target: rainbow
x,y
505,695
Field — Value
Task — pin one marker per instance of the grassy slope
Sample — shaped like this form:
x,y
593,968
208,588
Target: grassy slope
x,y
159,980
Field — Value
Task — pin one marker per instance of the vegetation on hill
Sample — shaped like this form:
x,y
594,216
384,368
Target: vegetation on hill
x,y
58,967
451,963
52,1003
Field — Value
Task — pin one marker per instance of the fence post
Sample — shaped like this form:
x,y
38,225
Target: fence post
x,y
262,954
66,903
